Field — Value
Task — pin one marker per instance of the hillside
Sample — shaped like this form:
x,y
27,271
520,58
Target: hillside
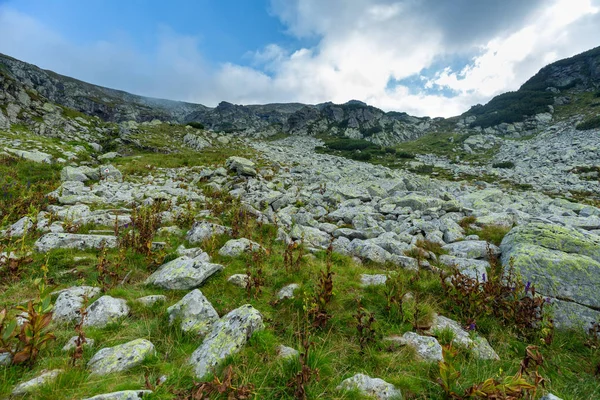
x,y
291,251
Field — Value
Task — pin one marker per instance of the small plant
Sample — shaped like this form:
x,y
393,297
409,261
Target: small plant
x,y
394,293
306,374
592,123
107,275
290,262
80,341
504,165
254,272
145,221
365,329
224,387
324,293
7,332
466,222
34,335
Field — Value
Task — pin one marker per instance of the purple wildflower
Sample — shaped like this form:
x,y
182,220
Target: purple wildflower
x,y
547,300
483,277
527,287
472,326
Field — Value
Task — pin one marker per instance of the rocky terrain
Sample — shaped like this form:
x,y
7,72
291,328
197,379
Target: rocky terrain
x,y
144,258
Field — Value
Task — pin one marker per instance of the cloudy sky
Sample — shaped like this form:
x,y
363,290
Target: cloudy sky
x,y
424,57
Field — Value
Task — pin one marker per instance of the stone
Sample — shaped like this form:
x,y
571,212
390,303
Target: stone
x,y
35,156
311,236
561,262
104,311
372,280
467,266
122,395
78,174
227,337
203,230
241,166
373,387
149,301
19,228
183,273
237,247
31,385
194,313
550,396
110,173
240,280
426,347
69,302
5,359
369,251
285,353
108,156
72,343
475,249
287,292
51,241
120,358
479,346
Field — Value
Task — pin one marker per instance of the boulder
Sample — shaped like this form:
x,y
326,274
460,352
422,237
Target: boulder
x,y
227,337
74,241
19,228
287,292
241,166
204,230
237,247
35,383
426,347
149,301
104,311
194,313
285,352
372,387
372,280
72,343
240,280
35,155
120,358
311,236
474,249
183,273
122,395
69,302
467,266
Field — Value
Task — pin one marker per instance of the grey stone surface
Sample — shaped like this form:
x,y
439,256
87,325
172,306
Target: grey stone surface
x,y
183,273
120,358
69,302
122,395
194,313
44,378
73,241
373,387
104,311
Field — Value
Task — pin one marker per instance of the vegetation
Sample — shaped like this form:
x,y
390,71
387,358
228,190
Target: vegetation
x,y
504,164
591,123
197,125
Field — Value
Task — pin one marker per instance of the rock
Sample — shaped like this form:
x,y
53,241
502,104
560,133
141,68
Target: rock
x,y
241,166
479,346
426,347
284,352
149,301
19,228
183,273
240,280
237,247
194,313
369,251
108,156
373,387
35,156
550,396
120,358
204,230
311,236
227,337
110,173
561,262
35,383
69,302
5,359
287,292
372,280
472,268
104,311
75,241
72,343
122,395
77,174
475,249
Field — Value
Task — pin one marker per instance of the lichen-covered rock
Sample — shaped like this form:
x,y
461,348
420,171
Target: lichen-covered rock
x,y
121,357
477,249
285,352
227,337
69,302
37,382
183,273
287,292
561,262
473,268
480,346
550,396
19,228
74,241
426,347
149,301
122,395
237,247
104,311
35,155
78,174
372,280
241,166
240,280
311,236
203,230
194,313
373,387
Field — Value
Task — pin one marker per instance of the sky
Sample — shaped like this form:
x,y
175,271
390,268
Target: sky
x,y
424,57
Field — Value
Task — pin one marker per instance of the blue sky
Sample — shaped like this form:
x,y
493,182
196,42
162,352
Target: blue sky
x,y
424,57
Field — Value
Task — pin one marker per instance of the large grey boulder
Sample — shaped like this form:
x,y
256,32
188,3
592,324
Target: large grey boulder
x,y
372,280
69,302
72,343
104,311
473,268
110,173
121,357
122,395
426,347
183,273
241,166
75,241
287,292
227,337
373,387
194,313
203,230
561,262
78,174
37,382
237,247
311,236
35,155
19,228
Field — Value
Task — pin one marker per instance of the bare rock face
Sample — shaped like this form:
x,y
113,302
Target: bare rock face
x,y
194,313
121,357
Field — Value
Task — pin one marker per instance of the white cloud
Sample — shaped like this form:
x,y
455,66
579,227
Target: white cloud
x,y
361,45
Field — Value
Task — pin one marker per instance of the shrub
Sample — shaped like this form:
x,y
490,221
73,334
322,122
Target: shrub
x,y
597,94
592,123
405,154
196,125
361,156
350,144
504,164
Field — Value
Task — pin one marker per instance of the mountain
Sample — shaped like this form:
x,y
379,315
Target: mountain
x,y
518,113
